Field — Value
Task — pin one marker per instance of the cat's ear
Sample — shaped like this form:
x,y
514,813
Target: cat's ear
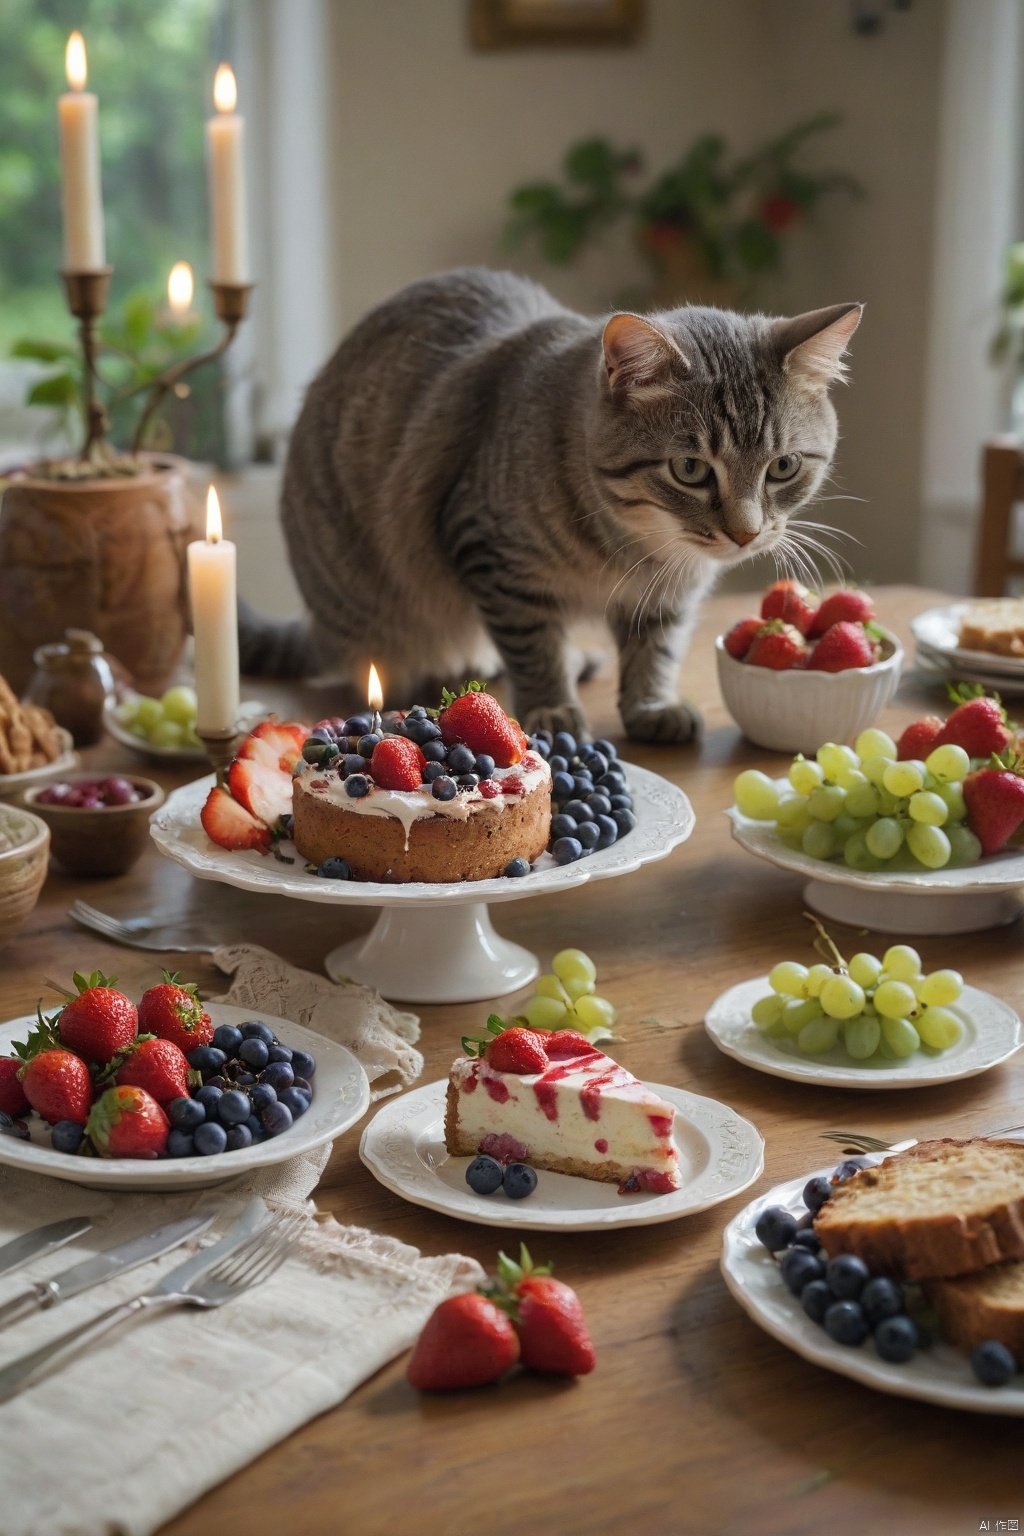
x,y
638,357
812,345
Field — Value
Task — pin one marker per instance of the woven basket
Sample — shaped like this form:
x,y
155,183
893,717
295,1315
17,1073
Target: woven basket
x,y
22,867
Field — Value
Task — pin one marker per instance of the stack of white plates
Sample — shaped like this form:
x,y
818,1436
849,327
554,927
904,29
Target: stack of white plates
x,y
939,652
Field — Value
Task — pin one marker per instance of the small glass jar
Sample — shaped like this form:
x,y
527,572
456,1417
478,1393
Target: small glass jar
x,y
73,680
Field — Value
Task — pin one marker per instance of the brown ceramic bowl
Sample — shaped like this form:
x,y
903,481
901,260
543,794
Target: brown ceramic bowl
x,y
24,845
104,841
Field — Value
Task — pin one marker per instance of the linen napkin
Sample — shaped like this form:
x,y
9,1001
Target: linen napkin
x,y
145,1421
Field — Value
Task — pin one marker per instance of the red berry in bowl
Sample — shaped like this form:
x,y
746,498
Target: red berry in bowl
x,y
118,790
739,639
778,646
844,645
848,606
791,602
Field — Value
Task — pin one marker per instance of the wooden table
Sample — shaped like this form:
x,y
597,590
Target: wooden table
x,y
695,1420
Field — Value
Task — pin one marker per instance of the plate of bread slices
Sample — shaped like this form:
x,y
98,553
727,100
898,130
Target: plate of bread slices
x,y
33,747
904,1271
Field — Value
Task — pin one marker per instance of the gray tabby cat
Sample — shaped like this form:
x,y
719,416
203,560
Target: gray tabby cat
x,y
478,464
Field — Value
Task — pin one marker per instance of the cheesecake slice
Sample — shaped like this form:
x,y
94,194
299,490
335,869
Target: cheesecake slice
x,y
580,1113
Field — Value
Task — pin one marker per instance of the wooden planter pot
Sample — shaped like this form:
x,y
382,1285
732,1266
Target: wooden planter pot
x,y
103,555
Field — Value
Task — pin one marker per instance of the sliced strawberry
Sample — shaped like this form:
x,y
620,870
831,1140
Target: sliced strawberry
x,y
918,739
517,1050
739,639
276,743
230,824
848,606
843,646
476,719
778,646
397,763
263,791
568,1042
467,1342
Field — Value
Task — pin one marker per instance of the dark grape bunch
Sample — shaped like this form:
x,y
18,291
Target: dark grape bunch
x,y
842,1296
253,1087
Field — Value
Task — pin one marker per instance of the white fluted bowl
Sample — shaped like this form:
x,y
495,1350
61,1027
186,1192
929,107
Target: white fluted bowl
x,y
798,711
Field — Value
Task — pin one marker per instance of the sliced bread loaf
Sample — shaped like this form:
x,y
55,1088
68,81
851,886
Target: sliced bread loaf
x,y
941,1208
986,1305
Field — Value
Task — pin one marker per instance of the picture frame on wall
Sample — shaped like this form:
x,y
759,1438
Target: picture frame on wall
x,y
555,23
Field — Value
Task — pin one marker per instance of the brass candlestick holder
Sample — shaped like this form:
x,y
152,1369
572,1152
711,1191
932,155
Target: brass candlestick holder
x,y
220,749
87,299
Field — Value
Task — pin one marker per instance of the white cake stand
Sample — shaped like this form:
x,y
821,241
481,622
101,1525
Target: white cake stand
x,y
988,894
431,943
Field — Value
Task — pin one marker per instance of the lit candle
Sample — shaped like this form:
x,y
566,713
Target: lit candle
x,y
375,698
78,116
180,288
211,576
225,162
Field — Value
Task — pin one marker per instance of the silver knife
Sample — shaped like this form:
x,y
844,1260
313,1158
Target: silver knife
x,y
113,1261
42,1240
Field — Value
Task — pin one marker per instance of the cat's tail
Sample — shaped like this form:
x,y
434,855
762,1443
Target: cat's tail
x,y
281,648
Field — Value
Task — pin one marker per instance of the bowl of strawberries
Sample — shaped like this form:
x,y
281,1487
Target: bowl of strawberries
x,y
803,672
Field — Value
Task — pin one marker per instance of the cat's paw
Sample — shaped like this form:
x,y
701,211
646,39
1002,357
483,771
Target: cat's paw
x,y
555,718
666,724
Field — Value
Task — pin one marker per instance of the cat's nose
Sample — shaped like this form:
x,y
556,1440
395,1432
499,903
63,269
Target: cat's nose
x,y
742,536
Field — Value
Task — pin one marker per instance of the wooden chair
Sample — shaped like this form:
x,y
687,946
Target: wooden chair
x,y
1003,487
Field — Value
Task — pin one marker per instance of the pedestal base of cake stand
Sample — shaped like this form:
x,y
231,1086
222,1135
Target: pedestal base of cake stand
x,y
904,913
439,954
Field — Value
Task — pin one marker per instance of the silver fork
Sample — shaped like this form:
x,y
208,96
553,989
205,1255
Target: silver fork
x,y
136,932
860,1141
250,1264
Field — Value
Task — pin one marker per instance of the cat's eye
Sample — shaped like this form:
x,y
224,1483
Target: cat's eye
x,y
784,467
690,471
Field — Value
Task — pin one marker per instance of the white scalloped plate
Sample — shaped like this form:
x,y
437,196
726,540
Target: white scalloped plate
x,y
664,819
720,1153
937,1375
937,630
12,783
991,1034
341,1097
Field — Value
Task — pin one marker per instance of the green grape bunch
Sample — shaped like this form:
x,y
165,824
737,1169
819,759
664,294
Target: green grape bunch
x,y
567,999
879,1009
864,806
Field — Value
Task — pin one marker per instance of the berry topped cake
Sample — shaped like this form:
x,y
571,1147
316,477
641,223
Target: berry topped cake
x,y
553,1100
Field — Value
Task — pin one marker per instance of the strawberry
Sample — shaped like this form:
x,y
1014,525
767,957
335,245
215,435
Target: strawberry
x,y
978,724
467,1342
277,744
478,720
55,1082
99,1021
230,824
127,1122
738,639
156,1065
173,1011
517,1050
846,607
842,646
995,803
553,1332
568,1042
791,602
12,1095
397,763
918,739
778,646
264,791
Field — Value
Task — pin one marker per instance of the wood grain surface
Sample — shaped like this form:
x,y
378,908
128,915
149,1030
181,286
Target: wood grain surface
x,y
695,1421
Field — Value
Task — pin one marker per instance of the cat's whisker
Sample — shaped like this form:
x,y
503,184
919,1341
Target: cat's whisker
x,y
832,559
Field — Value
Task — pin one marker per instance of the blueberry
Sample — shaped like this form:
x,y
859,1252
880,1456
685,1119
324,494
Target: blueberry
x,y
186,1114
579,810
467,781
558,764
993,1364
775,1228
599,803
567,850
357,786
847,1169
562,787
545,736
589,835
422,731
484,766
435,751
209,1139
444,788
620,802
334,868
606,749
847,1275
255,1030
303,1064
540,746
484,1175
896,1338
280,1052
519,1180
798,1268
209,1097
303,1085
881,1298
367,744
262,1095
461,759
239,1137
244,1079
255,1128
255,1053
295,1101
815,1193
565,743
583,785
515,869
613,782
816,1298
845,1323
807,1238
279,1075
276,1118
322,734
417,712
624,820
433,771
609,831
206,1059
227,1038
233,1107
66,1135
219,1081
563,825
180,1143
351,763
356,725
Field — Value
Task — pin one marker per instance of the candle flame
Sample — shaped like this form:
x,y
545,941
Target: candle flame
x,y
225,91
180,288
74,62
374,692
214,529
